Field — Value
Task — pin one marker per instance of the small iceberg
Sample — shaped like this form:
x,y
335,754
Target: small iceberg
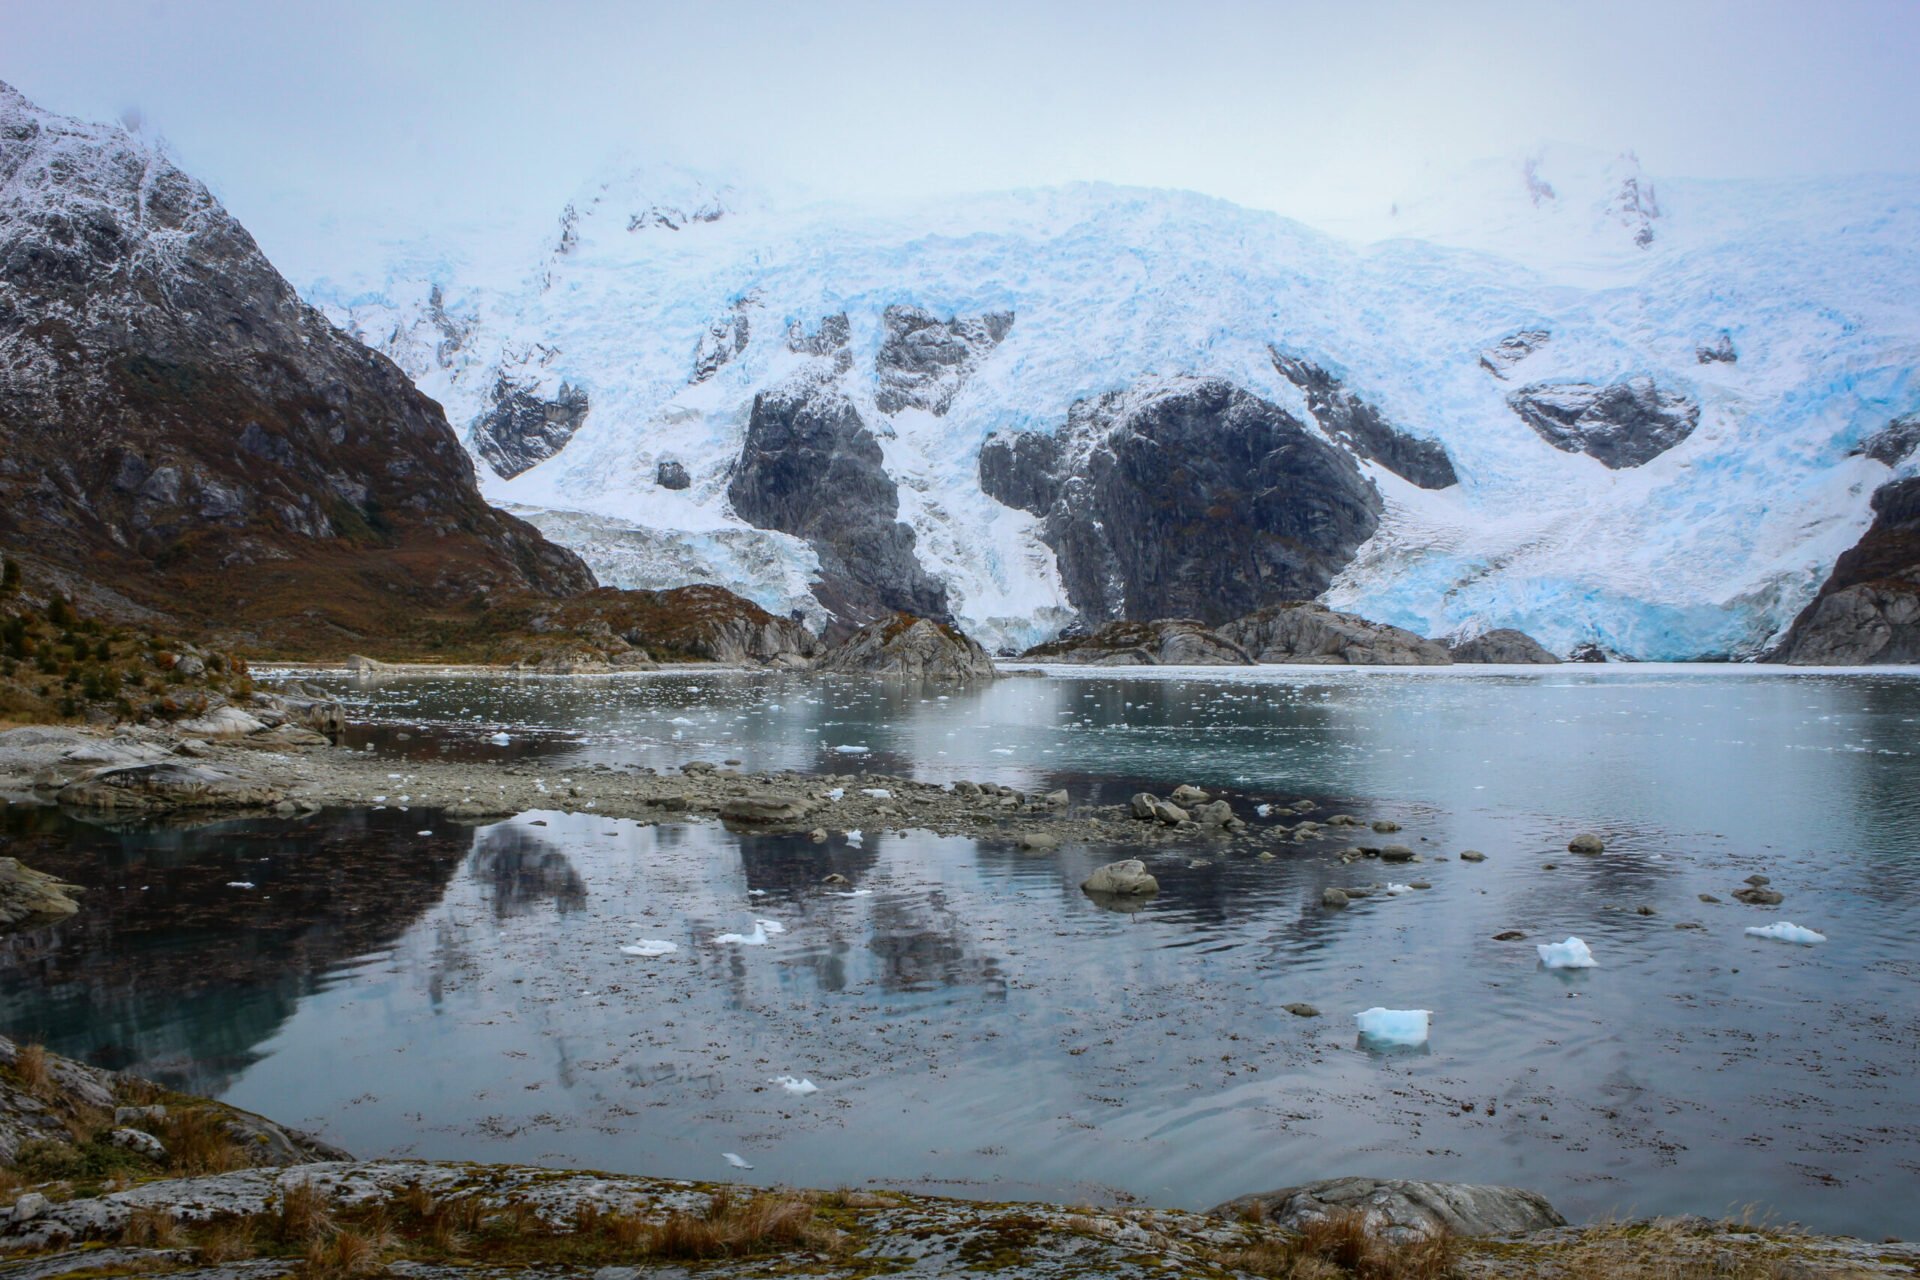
x,y
1571,954
734,1160
800,1086
855,838
498,739
239,884
852,751
762,931
1398,888
1782,931
1394,1026
877,793
648,948
853,893
837,794
1264,810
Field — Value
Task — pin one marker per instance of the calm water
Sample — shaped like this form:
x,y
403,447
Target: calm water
x,y
975,1024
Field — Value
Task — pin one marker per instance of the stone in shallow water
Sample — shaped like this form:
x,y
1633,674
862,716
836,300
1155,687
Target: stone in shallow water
x,y
1586,842
1126,877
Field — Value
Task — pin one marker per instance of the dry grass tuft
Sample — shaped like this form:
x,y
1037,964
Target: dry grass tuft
x,y
229,1240
197,1142
730,1227
304,1215
1345,1245
30,1068
150,1228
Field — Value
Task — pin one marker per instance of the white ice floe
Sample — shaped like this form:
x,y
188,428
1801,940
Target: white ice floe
x,y
762,931
854,838
648,948
853,893
734,1160
501,739
853,751
239,884
877,793
1394,1026
1782,931
796,1085
1571,954
1398,888
423,833
1264,810
837,794
679,720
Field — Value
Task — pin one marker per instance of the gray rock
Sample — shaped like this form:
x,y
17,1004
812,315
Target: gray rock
x,y
521,430
1128,877
1171,814
152,787
139,1142
1305,632
1719,351
1217,814
29,1206
1143,805
810,467
1472,855
1161,642
766,809
1402,1211
1759,897
1057,799
1385,826
1188,795
1586,842
1512,349
1396,853
671,474
1622,424
1333,898
32,897
1892,444
1300,1010
1503,645
1037,841
923,361
916,648
1258,508
1362,428
724,339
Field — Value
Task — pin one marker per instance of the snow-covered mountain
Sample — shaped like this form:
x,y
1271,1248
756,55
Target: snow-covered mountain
x,y
1556,395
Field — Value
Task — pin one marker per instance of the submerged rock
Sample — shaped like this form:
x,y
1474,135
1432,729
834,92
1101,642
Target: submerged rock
x,y
919,648
1400,1211
1304,632
1503,645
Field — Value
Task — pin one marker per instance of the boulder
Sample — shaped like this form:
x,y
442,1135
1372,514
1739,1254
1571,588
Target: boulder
x,y
167,785
1586,842
918,648
1402,1211
1162,642
1127,878
1143,804
1188,794
221,722
1171,814
1503,645
1305,632
32,897
765,809
1333,898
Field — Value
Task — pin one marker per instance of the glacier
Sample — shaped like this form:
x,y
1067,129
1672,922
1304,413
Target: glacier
x,y
1786,311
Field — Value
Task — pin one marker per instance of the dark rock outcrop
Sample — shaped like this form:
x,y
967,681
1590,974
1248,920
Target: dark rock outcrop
x,y
1503,645
831,339
522,430
1301,631
1358,425
724,339
917,648
1512,349
1400,1211
1162,642
671,475
811,468
923,360
1719,351
696,622
179,428
1868,610
1892,444
1622,424
1188,498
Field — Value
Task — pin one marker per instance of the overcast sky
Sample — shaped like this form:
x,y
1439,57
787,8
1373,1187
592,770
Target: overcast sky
x,y
423,115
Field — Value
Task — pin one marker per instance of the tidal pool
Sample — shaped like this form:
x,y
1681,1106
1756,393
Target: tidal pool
x,y
976,1025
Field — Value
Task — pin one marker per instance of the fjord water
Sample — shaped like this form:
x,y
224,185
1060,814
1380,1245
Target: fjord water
x,y
976,1025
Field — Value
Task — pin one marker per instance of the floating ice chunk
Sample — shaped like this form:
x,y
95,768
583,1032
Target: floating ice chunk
x,y
1394,1026
379,799
734,1160
1782,931
853,893
1264,810
423,833
1571,954
679,720
239,884
1398,888
1003,751
837,794
800,1086
854,838
878,793
501,739
758,938
853,751
648,948
771,926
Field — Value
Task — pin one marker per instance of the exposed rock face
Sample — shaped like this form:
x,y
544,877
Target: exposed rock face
x,y
176,423
1894,443
724,339
811,468
1868,610
830,340
1512,349
1358,425
1402,1210
671,474
1301,631
686,622
1163,642
28,896
1719,351
918,648
1186,498
1623,424
1503,645
923,360
522,430
151,788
